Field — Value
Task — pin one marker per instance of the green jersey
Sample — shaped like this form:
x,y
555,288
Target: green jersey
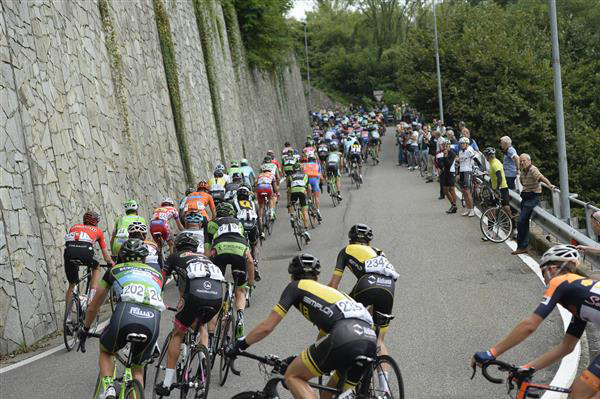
x,y
135,282
298,182
121,225
237,170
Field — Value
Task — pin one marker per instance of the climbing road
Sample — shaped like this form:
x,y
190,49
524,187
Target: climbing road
x,y
455,295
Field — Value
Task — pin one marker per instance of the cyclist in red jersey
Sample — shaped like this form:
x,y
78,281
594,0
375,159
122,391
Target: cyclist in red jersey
x,y
79,246
265,184
159,225
271,154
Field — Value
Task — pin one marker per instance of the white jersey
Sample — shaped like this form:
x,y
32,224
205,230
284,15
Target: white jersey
x,y
466,157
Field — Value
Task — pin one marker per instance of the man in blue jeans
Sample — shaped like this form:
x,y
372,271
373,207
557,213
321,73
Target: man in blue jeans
x,y
531,179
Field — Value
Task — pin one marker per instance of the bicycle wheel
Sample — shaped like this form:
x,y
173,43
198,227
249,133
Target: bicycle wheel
x,y
250,395
312,217
385,380
495,225
161,366
228,332
71,322
197,374
214,348
297,232
268,223
134,390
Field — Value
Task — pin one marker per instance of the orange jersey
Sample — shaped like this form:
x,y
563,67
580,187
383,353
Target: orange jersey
x,y
86,233
198,201
311,169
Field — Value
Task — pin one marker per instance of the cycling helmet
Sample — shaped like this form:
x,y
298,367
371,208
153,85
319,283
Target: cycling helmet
x,y
271,153
360,233
304,265
225,209
91,218
193,217
333,147
133,249
267,159
243,193
265,167
464,140
309,143
218,173
297,167
244,162
560,253
290,152
202,186
489,152
312,157
167,201
131,205
137,227
219,167
236,177
185,241
235,164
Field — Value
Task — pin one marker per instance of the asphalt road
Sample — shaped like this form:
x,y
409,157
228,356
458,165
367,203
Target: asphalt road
x,y
455,295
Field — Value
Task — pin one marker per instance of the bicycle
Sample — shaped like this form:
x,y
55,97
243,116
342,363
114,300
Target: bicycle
x,y
367,388
266,216
313,213
354,175
193,366
517,378
495,224
297,222
225,331
130,388
76,308
481,191
332,188
373,154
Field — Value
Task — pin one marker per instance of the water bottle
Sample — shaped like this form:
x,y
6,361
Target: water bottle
x,y
84,302
184,351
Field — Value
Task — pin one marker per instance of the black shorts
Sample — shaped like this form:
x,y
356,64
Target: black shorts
x,y
301,197
131,318
202,300
78,251
466,180
237,262
504,196
252,233
323,156
336,351
447,179
333,169
356,158
376,290
373,141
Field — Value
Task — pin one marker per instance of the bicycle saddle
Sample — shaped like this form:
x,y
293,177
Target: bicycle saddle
x,y
133,337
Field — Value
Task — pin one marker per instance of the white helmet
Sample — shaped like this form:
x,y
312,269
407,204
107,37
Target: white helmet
x,y
561,253
137,227
464,140
168,201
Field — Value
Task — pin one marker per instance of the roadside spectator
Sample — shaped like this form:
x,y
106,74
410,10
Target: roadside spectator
x,y
466,133
423,141
531,179
596,229
413,147
510,162
450,136
466,157
435,135
447,175
400,142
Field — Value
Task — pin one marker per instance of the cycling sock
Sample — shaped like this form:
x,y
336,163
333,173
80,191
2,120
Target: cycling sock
x,y
107,382
169,376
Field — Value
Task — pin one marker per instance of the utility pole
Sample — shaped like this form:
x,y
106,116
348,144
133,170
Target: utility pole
x,y
307,64
563,173
437,64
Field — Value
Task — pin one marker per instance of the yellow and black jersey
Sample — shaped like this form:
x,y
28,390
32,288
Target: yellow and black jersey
x,y
353,257
321,305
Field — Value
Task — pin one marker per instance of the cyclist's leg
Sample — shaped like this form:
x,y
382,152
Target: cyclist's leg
x,y
297,376
304,205
588,385
71,272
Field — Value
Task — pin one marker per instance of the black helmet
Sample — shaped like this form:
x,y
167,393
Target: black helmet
x,y
186,240
304,265
218,173
225,209
297,167
243,193
267,159
133,249
489,151
360,233
91,218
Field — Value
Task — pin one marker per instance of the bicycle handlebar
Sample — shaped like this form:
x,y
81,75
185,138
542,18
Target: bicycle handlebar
x,y
81,346
279,365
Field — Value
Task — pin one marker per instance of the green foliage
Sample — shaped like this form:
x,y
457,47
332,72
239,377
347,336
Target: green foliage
x,y
171,71
265,33
496,65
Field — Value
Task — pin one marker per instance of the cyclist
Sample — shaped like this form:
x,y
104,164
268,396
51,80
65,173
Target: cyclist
x,y
289,159
309,147
216,184
344,324
375,140
271,154
497,178
234,167
298,186
199,200
577,294
375,275
159,225
287,146
231,188
200,287
139,230
138,287
323,152
181,206
79,246
119,234
226,245
196,224
354,155
466,158
265,186
335,162
247,213
315,176
248,174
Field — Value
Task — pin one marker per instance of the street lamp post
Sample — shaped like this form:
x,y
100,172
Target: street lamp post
x,y
563,173
437,64
307,65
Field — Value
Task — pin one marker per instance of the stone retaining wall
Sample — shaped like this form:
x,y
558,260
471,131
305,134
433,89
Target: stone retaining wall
x,y
86,122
